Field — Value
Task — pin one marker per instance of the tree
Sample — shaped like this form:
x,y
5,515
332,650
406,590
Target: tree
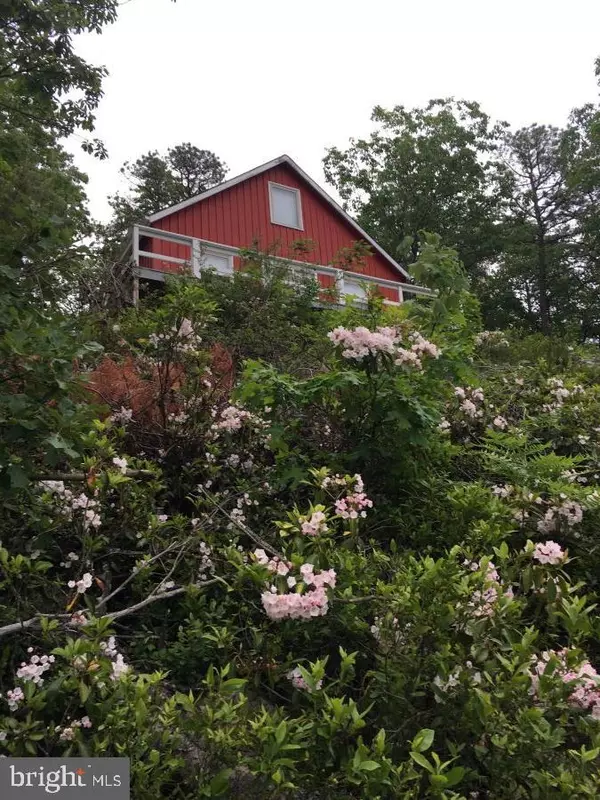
x,y
47,91
424,169
157,182
542,218
42,79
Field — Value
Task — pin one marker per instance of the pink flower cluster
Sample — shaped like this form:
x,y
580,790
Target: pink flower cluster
x,y
314,525
298,682
275,565
124,415
183,339
355,502
586,694
121,464
500,422
491,338
233,418
14,697
67,734
423,347
549,553
483,601
353,505
297,604
570,511
359,343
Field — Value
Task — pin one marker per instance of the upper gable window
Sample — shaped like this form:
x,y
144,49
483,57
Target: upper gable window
x,y
286,208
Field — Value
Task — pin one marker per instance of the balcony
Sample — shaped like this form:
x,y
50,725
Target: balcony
x,y
195,255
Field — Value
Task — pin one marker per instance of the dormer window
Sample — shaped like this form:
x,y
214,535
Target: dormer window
x,y
286,208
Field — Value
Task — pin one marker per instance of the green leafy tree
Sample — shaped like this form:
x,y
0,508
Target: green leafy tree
x,y
42,78
424,169
156,182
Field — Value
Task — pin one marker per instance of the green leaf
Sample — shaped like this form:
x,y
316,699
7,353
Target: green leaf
x,y
84,691
422,761
455,775
368,766
423,740
281,731
220,782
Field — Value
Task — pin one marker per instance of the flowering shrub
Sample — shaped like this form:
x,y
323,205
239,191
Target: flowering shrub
x,y
372,578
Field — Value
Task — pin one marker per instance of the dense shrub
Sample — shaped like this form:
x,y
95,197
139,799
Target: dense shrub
x,y
366,569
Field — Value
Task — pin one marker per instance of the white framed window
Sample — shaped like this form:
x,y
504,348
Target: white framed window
x,y
356,288
219,260
286,208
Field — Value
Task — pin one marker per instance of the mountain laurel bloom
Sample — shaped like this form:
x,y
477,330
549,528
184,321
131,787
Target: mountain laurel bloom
x,y
120,463
549,553
353,505
298,682
582,677
34,670
82,585
14,697
359,343
300,604
314,525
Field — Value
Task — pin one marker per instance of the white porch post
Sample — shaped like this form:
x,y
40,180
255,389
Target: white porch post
x,y
196,257
339,285
136,245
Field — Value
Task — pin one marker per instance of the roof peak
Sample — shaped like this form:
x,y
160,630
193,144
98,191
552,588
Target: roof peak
x,y
284,158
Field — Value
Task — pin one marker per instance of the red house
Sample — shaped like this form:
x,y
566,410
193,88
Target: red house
x,y
276,204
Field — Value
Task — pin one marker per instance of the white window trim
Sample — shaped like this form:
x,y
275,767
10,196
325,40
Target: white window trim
x,y
206,252
298,204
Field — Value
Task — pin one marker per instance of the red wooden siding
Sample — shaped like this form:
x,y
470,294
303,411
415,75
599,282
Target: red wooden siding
x,y
241,215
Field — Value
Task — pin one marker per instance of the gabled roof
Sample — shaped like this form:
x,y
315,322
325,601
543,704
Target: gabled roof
x,y
284,159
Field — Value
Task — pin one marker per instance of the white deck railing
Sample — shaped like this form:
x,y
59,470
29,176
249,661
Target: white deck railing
x,y
344,282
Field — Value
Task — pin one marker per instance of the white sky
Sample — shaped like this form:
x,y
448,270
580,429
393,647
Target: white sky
x,y
252,79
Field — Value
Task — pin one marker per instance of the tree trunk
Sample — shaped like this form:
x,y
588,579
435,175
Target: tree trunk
x,y
545,320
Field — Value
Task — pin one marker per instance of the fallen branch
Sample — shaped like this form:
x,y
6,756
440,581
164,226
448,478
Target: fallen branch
x,y
104,600
244,528
34,622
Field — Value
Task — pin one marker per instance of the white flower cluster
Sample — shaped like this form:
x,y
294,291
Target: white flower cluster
x,y
570,511
491,339
471,401
119,667
124,415
559,392
82,585
183,339
69,503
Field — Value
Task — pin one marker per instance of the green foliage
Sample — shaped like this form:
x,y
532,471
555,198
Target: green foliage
x,y
157,182
423,169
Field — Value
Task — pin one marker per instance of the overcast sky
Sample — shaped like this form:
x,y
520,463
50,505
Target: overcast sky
x,y
252,79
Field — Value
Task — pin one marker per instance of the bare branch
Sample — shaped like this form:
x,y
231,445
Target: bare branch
x,y
244,528
34,622
72,477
